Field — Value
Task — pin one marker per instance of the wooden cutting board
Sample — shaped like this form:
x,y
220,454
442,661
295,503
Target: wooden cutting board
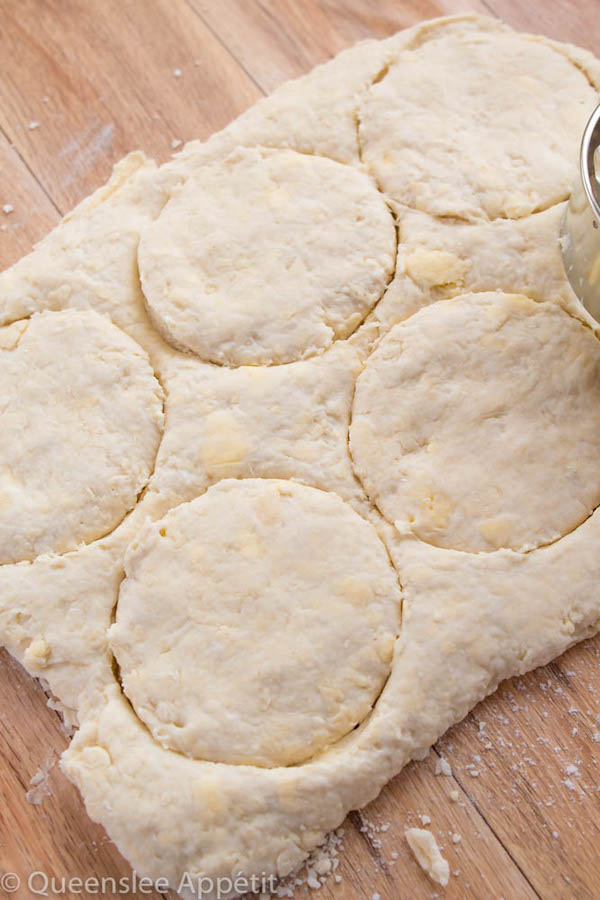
x,y
98,77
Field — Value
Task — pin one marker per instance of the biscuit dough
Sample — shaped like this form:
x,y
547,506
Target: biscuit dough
x,y
469,619
256,624
79,443
89,260
266,257
467,432
476,126
438,259
261,421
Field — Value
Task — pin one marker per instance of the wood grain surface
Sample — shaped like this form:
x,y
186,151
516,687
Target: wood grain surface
x,y
518,818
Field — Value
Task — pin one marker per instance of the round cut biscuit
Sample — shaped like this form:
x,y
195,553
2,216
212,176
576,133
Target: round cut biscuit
x,y
82,420
267,257
477,126
256,624
476,423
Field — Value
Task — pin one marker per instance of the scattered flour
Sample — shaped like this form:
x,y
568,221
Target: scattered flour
x,y
40,789
320,865
442,766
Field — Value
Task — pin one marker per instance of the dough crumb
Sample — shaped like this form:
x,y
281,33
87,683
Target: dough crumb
x,y
175,143
7,209
456,838
322,863
33,125
454,795
425,820
177,73
442,767
427,853
40,789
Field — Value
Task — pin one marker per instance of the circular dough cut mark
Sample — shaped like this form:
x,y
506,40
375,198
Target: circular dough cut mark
x,y
267,257
476,423
256,624
477,126
81,423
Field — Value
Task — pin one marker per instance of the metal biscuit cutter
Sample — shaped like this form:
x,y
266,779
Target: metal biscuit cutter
x,y
580,239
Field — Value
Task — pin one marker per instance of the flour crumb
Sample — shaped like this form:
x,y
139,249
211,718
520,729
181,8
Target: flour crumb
x,y
442,766
33,125
40,789
427,853
321,864
175,143
177,73
425,820
371,830
7,209
456,839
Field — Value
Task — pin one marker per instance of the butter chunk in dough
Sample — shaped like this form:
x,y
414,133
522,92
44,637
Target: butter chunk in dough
x,y
256,624
476,423
477,125
81,424
267,257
